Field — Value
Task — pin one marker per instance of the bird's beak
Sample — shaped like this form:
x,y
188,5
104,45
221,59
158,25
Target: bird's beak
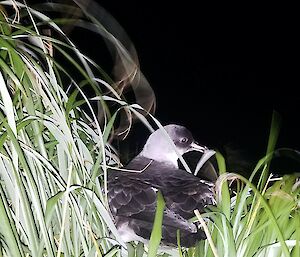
x,y
194,146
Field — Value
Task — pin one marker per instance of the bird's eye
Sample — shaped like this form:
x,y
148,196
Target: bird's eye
x,y
184,140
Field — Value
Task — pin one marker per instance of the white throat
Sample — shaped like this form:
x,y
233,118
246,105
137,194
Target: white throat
x,y
169,157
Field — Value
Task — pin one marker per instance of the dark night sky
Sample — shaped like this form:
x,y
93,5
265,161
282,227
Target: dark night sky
x,y
220,71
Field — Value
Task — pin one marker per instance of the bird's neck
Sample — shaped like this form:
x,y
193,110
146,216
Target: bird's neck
x,y
170,159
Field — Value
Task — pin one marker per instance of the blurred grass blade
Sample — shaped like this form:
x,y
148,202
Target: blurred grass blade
x,y
273,136
156,233
207,233
8,229
224,196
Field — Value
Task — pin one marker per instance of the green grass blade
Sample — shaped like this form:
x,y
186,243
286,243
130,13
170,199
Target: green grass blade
x,y
156,233
224,196
7,228
273,136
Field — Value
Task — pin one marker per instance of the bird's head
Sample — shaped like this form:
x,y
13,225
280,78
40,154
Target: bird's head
x,y
164,145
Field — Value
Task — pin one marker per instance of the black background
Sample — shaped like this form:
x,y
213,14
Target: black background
x,y
219,70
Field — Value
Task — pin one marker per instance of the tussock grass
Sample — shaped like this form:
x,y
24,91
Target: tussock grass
x,y
252,220
55,149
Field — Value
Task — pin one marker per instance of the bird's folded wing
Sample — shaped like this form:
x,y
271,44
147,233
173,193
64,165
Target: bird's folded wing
x,y
194,195
183,192
131,197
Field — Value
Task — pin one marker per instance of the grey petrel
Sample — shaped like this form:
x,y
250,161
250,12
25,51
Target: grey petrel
x,y
132,195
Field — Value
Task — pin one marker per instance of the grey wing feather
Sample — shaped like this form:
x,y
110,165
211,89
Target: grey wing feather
x,y
132,200
129,197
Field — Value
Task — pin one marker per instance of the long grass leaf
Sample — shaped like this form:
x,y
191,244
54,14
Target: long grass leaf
x,y
156,233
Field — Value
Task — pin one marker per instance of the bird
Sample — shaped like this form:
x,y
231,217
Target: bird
x,y
132,193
